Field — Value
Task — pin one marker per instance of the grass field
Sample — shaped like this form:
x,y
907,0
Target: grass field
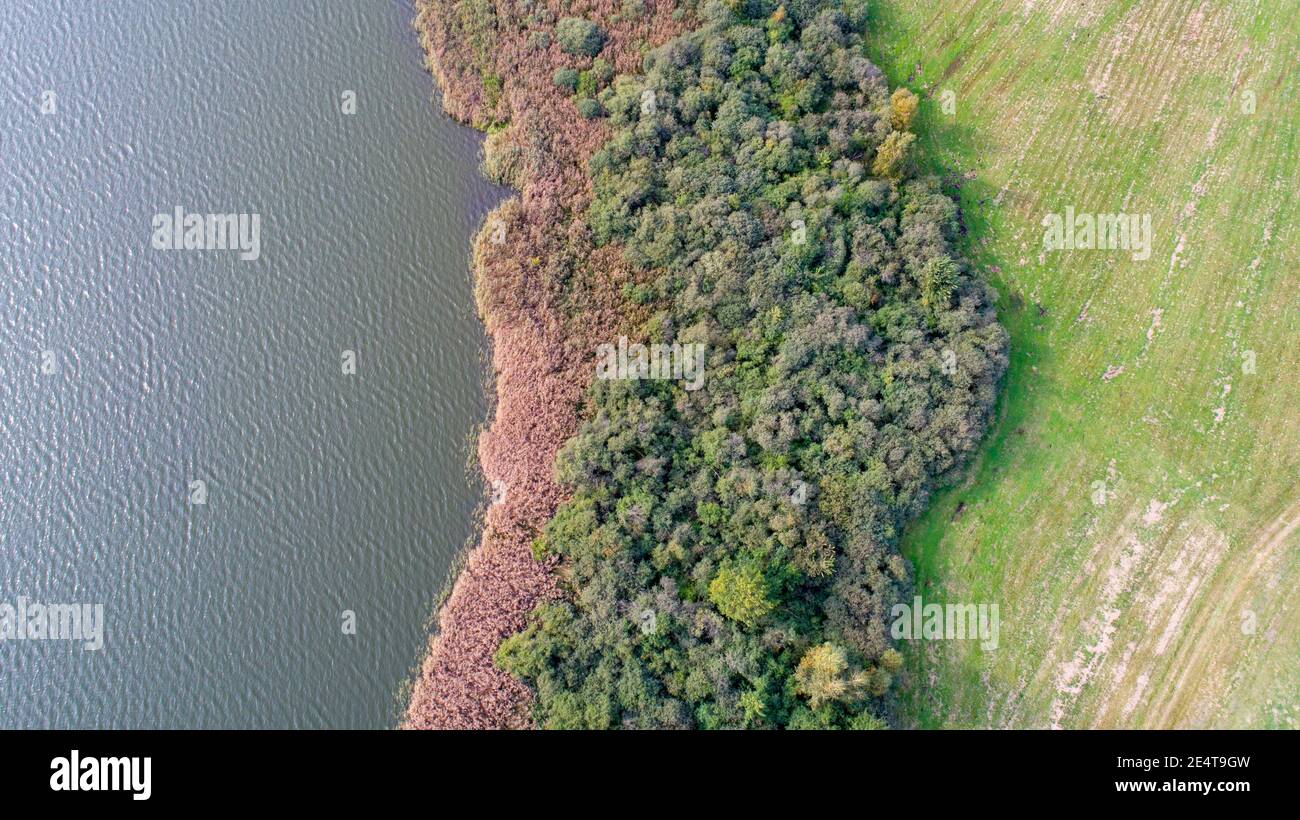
x,y
1135,510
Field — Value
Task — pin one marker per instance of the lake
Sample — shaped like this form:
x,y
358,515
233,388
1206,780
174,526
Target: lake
x,y
259,467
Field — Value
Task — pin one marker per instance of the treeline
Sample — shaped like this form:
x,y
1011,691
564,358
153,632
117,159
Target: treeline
x,y
730,553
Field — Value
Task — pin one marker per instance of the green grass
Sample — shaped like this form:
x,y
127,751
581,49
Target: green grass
x,y
1120,614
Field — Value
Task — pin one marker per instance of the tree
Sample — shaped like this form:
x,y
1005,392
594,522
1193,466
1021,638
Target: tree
x,y
740,593
821,676
902,108
939,279
892,155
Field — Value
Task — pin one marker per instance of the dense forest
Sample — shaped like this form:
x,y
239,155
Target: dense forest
x,y
728,555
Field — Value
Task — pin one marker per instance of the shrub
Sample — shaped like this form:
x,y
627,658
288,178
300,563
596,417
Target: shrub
x,y
566,78
492,86
579,37
602,72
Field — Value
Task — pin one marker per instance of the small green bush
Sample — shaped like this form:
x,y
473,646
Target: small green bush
x,y
602,72
566,78
579,37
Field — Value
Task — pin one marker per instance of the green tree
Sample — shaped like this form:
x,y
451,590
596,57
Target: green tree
x,y
939,278
707,591
739,591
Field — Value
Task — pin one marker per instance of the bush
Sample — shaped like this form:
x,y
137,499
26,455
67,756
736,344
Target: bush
x,y
566,78
579,37
492,87
589,108
602,72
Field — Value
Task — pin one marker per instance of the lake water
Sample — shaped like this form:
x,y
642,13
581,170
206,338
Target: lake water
x,y
127,373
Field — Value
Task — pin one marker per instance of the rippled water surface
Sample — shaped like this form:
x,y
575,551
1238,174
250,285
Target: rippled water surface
x,y
126,372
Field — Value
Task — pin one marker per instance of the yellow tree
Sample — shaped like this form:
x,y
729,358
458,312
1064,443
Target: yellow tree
x,y
740,593
902,108
891,156
821,675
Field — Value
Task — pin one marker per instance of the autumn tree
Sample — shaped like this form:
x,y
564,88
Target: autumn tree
x,y
823,675
902,108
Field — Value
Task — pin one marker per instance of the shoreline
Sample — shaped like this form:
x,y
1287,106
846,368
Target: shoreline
x,y
540,351
675,580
